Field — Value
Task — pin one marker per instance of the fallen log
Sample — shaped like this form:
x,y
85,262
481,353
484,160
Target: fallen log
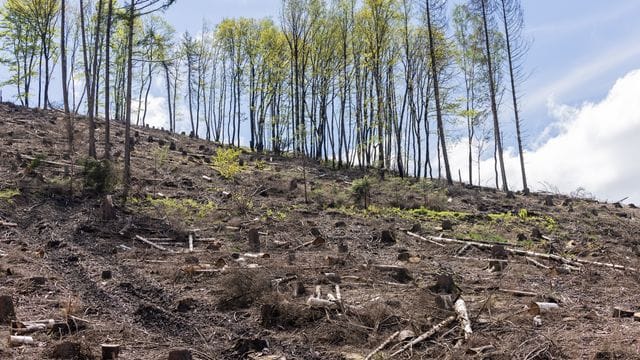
x,y
536,263
382,346
8,224
575,262
426,334
425,239
159,247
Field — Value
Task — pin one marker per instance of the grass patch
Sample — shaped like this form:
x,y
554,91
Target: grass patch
x,y
7,195
486,237
188,210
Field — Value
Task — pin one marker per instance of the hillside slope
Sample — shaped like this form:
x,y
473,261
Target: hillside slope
x,y
259,251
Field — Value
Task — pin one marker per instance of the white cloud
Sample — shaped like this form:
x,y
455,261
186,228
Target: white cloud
x,y
595,146
607,60
157,112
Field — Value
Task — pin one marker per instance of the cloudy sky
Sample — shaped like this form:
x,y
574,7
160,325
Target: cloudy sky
x,y
581,101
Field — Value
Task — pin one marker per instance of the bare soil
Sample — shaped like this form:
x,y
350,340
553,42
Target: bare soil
x,y
260,251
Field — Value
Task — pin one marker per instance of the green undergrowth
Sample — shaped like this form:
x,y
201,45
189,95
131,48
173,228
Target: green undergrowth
x,y
227,162
407,214
7,195
523,217
187,210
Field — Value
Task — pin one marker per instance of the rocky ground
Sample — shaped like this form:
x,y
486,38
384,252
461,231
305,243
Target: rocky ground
x,y
218,253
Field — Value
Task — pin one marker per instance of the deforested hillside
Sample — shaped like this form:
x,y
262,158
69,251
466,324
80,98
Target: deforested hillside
x,y
227,254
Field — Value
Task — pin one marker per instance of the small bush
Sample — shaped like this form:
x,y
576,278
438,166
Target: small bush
x,y
160,156
99,175
242,289
226,161
361,191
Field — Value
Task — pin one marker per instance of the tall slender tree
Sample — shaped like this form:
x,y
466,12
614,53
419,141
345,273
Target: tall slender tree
x,y
513,22
485,11
432,7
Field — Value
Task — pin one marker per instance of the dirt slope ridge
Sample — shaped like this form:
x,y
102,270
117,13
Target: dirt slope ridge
x,y
260,252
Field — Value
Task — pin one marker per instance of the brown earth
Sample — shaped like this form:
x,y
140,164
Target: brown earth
x,y
260,251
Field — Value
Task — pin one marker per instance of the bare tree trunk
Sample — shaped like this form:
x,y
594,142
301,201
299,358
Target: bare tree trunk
x,y
436,93
65,88
107,84
127,126
514,96
494,106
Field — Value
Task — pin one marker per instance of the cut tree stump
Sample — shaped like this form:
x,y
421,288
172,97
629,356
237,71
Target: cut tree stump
x,y
108,210
620,312
67,350
180,355
7,311
110,351
254,240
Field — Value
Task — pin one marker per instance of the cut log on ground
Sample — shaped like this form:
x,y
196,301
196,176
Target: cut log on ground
x,y
20,340
314,302
8,224
463,316
537,308
620,312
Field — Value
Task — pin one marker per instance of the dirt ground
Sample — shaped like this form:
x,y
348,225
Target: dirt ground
x,y
260,252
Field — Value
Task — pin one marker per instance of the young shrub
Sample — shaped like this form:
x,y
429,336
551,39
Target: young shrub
x,y
99,175
226,161
361,191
